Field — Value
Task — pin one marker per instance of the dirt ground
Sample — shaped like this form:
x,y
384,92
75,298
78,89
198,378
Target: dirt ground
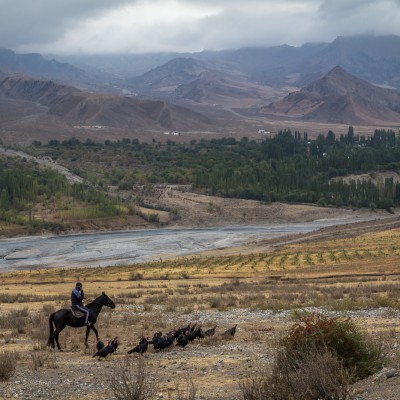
x,y
216,367
197,210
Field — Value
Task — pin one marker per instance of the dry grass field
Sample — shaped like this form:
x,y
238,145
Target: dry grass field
x,y
262,292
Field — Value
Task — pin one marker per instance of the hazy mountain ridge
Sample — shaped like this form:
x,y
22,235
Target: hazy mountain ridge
x,y
227,86
374,58
213,87
341,98
74,106
36,65
171,74
41,91
206,83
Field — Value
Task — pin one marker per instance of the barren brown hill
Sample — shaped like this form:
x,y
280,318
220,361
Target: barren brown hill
x,y
212,83
170,75
20,87
340,97
73,107
214,87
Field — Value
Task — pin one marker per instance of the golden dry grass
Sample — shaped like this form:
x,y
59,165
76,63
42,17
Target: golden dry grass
x,y
344,274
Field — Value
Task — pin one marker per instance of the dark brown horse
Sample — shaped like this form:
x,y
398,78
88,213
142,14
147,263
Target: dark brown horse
x,y
64,317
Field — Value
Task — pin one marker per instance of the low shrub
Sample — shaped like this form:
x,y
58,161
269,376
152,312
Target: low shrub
x,y
8,364
131,381
319,358
135,276
321,376
340,336
16,320
188,392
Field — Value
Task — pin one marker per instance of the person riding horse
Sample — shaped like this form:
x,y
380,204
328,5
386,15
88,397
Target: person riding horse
x,y
77,297
60,319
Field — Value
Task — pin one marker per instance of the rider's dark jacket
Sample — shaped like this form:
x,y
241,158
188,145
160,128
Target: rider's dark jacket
x,y
77,298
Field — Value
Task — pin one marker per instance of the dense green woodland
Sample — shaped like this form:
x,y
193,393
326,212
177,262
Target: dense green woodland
x,y
288,167
23,184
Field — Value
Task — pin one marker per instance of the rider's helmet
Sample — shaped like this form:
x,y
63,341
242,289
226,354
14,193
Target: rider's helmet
x,y
79,285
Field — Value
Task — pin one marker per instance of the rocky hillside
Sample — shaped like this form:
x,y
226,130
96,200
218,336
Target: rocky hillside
x,y
213,87
76,107
210,83
20,87
342,98
170,75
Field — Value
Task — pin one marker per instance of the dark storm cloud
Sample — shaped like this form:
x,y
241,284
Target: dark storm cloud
x,y
104,26
32,22
355,17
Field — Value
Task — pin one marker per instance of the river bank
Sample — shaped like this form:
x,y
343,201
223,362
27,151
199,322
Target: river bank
x,y
134,246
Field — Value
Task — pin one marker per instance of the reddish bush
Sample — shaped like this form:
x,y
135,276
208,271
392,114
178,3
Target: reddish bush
x,y
340,336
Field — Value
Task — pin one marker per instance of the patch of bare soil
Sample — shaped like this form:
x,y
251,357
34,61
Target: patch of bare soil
x,y
374,177
197,210
385,385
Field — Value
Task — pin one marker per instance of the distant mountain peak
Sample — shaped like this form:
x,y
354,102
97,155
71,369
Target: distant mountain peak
x,y
341,98
337,74
35,65
338,70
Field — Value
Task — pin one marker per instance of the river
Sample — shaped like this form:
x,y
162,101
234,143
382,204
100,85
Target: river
x,y
128,247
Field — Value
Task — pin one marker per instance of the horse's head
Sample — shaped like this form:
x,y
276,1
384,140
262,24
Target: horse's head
x,y
106,301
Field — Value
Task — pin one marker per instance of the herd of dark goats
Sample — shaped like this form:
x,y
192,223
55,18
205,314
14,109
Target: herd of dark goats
x,y
182,336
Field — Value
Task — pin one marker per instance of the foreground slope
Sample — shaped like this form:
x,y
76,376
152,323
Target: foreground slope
x,y
262,293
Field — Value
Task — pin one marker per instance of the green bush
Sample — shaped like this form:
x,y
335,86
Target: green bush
x,y
339,336
321,376
319,359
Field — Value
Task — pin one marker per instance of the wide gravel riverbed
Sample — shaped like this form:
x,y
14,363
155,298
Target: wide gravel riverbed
x,y
127,247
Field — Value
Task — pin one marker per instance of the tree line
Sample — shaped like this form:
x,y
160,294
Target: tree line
x,y
287,167
23,184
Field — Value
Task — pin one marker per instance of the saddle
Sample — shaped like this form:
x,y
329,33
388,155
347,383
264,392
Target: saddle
x,y
77,313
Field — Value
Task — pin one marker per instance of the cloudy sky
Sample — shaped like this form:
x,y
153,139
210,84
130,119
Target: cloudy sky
x,y
137,26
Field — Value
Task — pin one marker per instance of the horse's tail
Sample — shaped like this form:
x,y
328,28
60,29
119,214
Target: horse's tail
x,y
50,342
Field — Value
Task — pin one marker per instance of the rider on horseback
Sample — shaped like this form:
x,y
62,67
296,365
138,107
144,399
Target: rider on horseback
x,y
77,297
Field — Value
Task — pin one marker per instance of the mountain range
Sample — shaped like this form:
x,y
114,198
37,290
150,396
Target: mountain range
x,y
204,82
58,104
373,58
349,81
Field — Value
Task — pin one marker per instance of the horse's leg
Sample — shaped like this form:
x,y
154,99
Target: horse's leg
x,y
88,329
95,332
56,333
50,342
87,335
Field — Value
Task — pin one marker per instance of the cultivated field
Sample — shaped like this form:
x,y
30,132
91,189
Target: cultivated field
x,y
263,292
